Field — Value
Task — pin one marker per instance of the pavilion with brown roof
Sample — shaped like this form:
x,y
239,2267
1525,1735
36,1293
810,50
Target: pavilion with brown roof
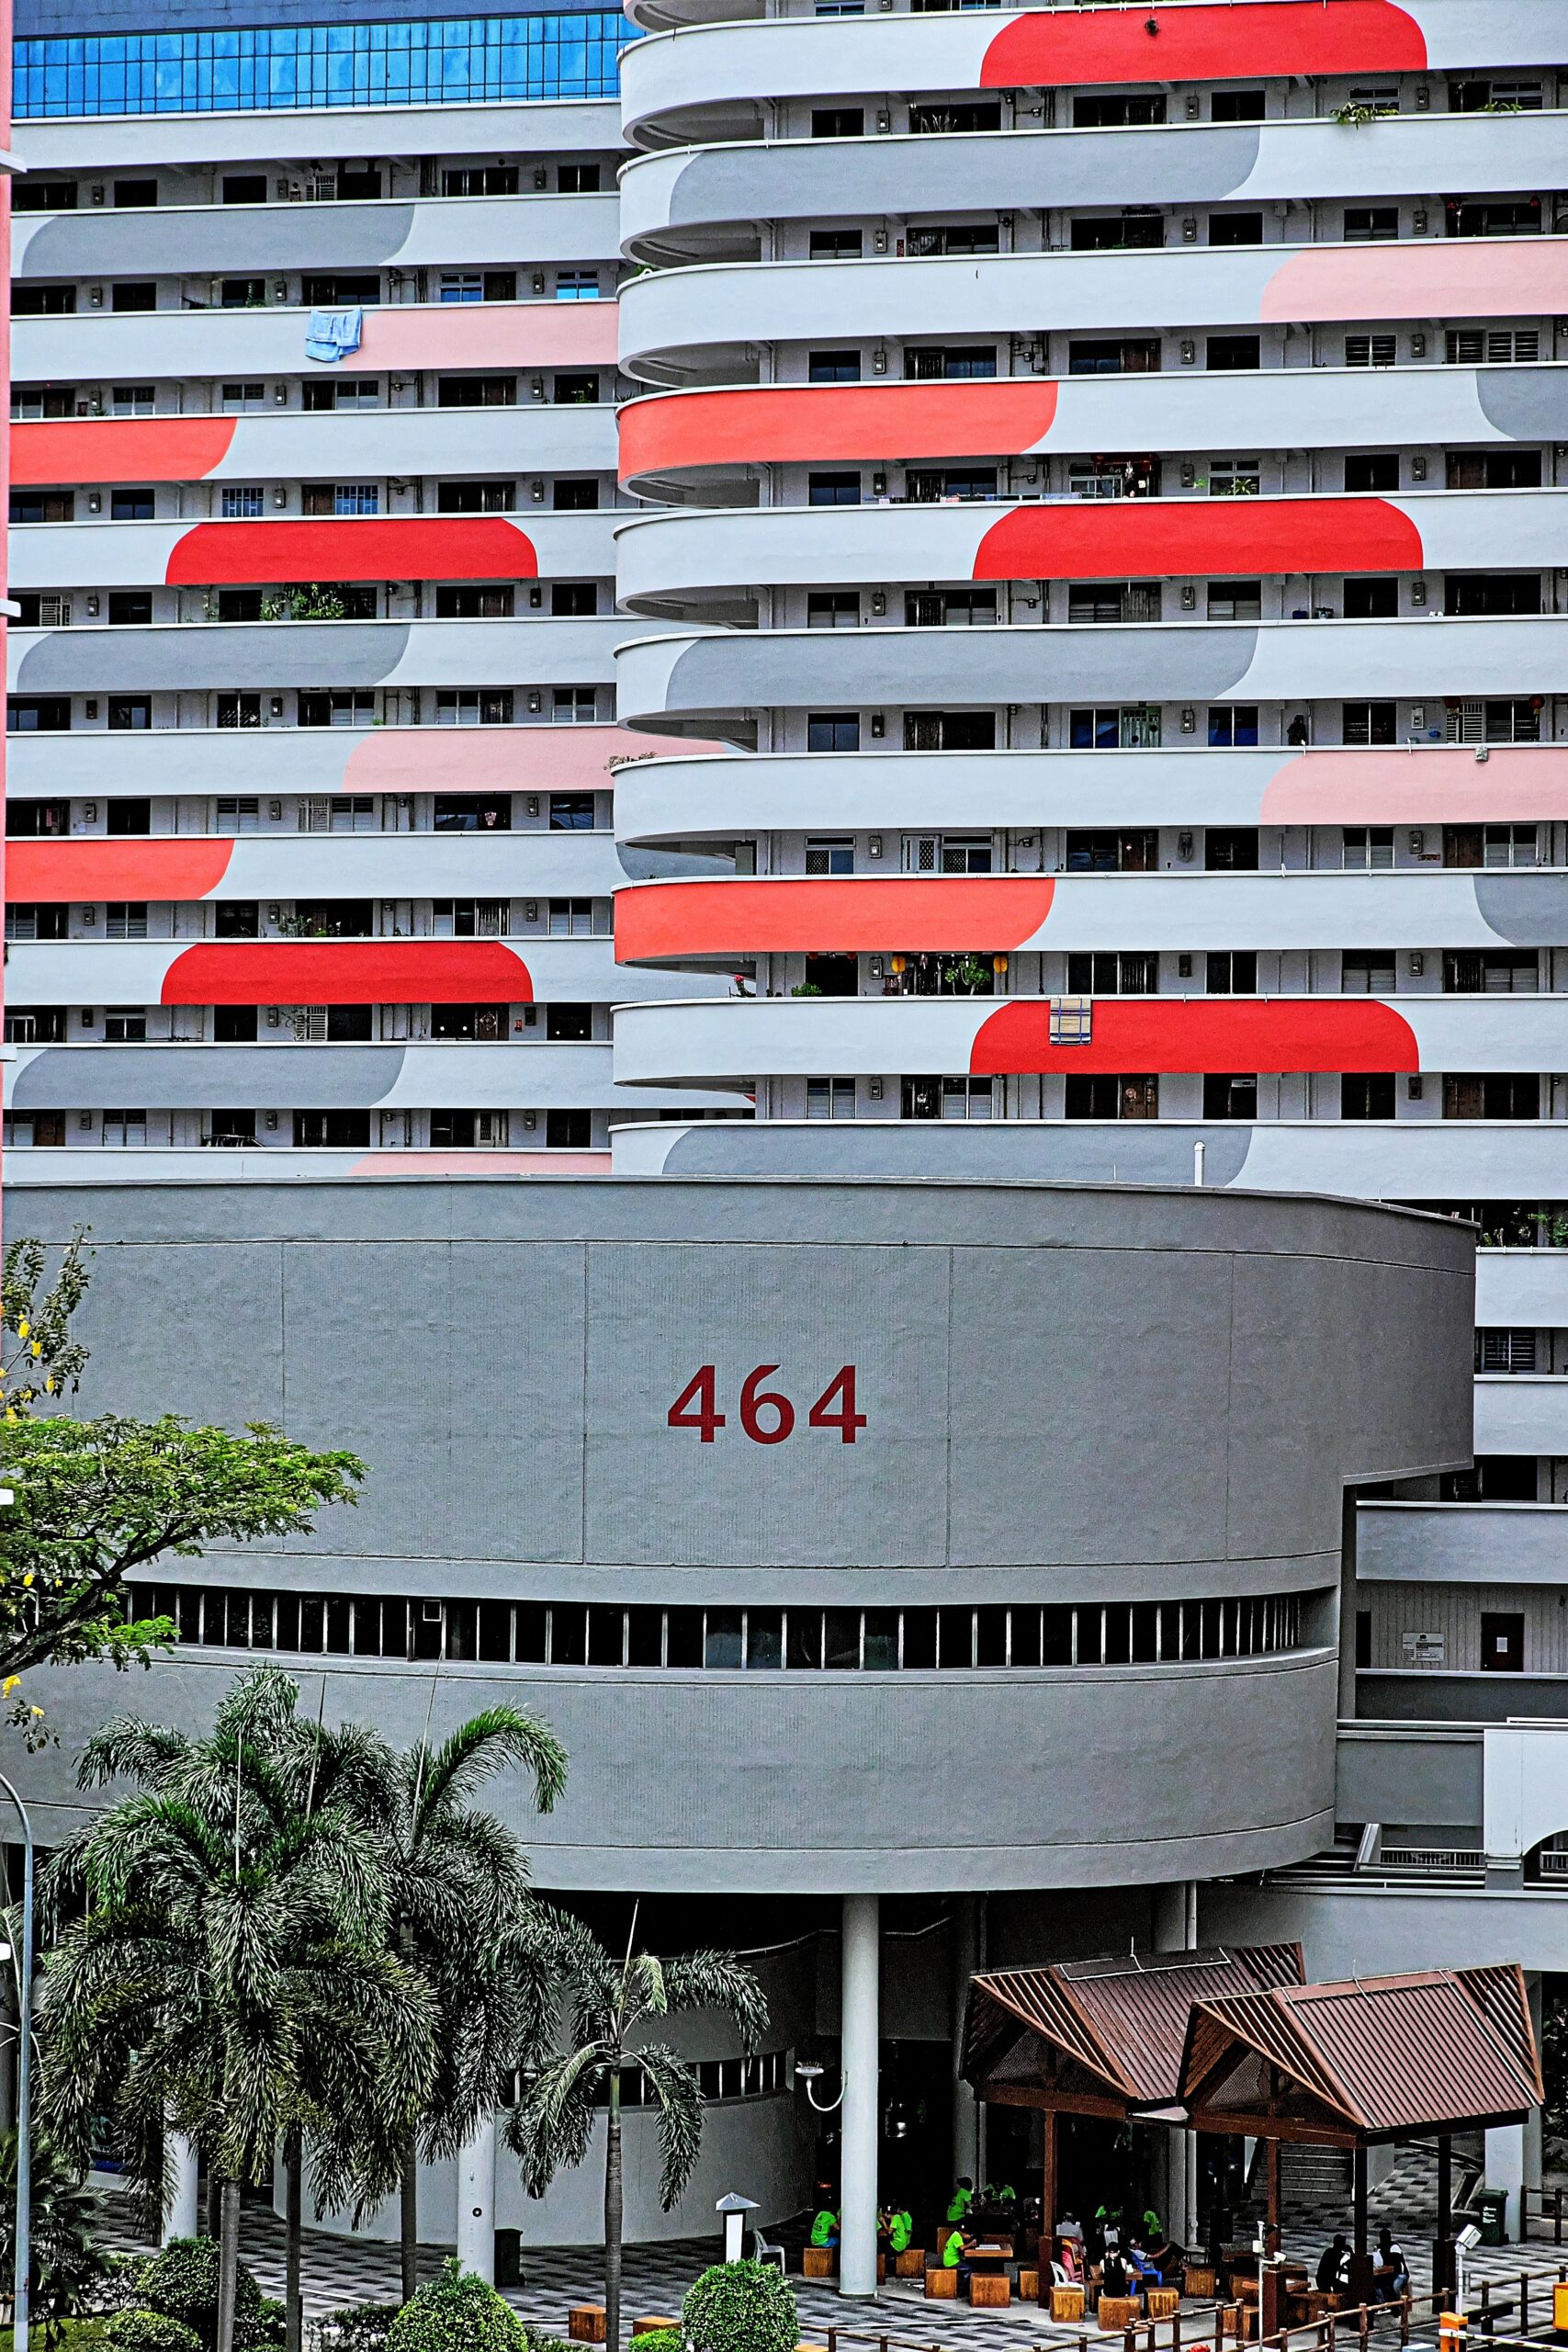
x,y
1103,2037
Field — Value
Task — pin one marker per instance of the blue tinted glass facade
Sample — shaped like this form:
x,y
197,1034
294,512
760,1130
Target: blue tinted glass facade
x,y
448,61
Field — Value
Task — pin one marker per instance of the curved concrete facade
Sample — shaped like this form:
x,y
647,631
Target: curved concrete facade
x,y
1081,1401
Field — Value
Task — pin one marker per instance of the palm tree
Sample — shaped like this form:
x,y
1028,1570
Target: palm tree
x,y
228,1976
610,2003
66,2262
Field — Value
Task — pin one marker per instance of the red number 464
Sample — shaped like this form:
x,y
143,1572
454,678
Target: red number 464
x,y
767,1415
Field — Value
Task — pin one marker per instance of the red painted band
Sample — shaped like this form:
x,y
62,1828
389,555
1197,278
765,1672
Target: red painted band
x,y
348,971
56,872
981,912
1196,43
778,423
1162,537
386,547
1148,1034
158,448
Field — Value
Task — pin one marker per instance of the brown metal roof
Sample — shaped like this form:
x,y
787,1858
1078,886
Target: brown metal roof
x,y
1364,2060
1107,2031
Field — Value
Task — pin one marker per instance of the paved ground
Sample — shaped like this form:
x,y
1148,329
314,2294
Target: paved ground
x,y
340,2270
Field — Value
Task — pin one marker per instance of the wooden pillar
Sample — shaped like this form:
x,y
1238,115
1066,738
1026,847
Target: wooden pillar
x,y
1360,2269
1444,2273
1048,2205
1274,2152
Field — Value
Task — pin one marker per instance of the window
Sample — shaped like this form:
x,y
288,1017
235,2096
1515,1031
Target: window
x,y
237,815
128,715
1377,471
1135,229
472,812
242,502
1100,112
578,179
1102,1096
568,1024
1107,971
1235,600
575,389
242,293
1516,216
833,608
832,367
1230,849
1230,1095
1130,727
568,1130
1491,346
1231,971
1366,1094
829,854
29,923
1473,96
331,288
467,1025
341,498
1494,722
235,398
1367,722
1379,97
337,706
30,820
42,505
572,812
1492,1094
129,608
1371,350
835,245
928,485
1478,972
1113,356
348,392
479,179
467,602
571,918
44,196
244,187
946,1098
44,400
576,285
574,706
1367,848
478,286
125,919
35,1024
572,600
473,707
1233,727
1235,228
928,363
234,1025
43,301
829,1098
1490,593
1093,601
1237,105
833,731
1372,600
947,853
130,506
950,730
1505,1350
239,710
1494,469
476,392
1368,224
832,490
945,118
951,609
1491,845
1367,971
125,1024
837,122
236,918
1108,852
476,498
332,1130
575,497
1233,350
125,1129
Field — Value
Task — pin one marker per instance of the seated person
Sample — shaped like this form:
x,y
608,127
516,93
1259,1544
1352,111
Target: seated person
x,y
1163,2251
1392,2271
1332,2263
900,2231
1114,2274
1069,2261
1141,2264
824,2224
955,2244
962,2199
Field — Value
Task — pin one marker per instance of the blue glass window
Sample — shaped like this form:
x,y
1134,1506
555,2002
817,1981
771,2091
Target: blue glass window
x,y
445,60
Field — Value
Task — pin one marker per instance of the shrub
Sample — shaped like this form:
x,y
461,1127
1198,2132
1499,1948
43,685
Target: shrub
x,y
123,2285
741,2307
151,2331
455,2312
540,2340
268,2325
182,2283
358,2327
659,2339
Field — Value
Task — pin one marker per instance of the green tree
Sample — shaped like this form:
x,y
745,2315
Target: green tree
x,y
39,1354
227,1974
609,2005
66,2261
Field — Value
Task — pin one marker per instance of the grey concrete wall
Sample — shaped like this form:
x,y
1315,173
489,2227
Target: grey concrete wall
x,y
1069,1392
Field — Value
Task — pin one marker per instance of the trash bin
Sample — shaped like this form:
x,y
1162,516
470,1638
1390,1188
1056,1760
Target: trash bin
x,y
1492,2212
509,2258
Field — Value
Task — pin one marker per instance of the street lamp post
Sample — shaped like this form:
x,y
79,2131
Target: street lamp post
x,y
20,2310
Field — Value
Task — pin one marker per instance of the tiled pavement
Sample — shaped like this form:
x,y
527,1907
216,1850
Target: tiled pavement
x,y
340,2270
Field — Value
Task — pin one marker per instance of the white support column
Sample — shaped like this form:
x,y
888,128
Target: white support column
x,y
476,2201
1175,1923
860,2031
182,2213
966,2107
1505,2169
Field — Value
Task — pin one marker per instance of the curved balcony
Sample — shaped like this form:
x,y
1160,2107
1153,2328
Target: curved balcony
x,y
668,563
121,345
292,442
672,442
705,203
528,968
721,68
90,763
184,869
1403,1160
675,321
739,1039
255,238
711,682
103,143
677,802
220,656
289,547
324,1077
715,921
176,1164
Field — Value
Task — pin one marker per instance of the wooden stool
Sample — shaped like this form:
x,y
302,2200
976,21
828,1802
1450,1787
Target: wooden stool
x,y
911,2264
1163,2302
1028,2285
817,2262
1227,2321
1117,2313
989,2291
654,2326
1066,2305
941,2286
1201,2280
585,2324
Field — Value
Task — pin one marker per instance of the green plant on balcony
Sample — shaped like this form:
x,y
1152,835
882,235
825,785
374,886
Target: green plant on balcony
x,y
304,601
1352,117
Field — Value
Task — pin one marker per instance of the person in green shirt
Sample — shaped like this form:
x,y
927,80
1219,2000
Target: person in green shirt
x,y
952,2250
825,2227
963,2198
900,2230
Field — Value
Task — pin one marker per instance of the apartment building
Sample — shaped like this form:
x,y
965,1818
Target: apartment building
x,y
311,715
